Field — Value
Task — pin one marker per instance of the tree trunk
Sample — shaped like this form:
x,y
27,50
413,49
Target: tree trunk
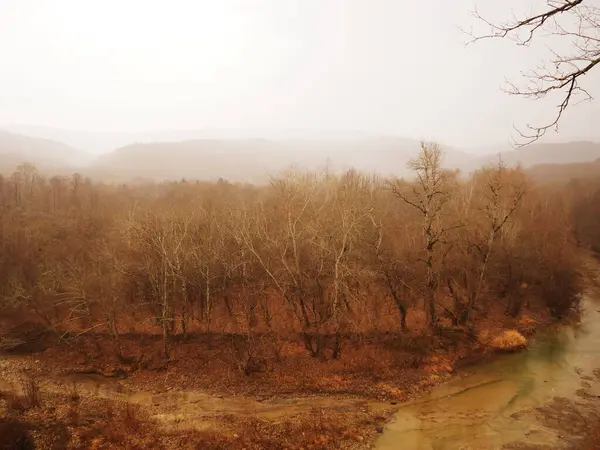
x,y
431,284
165,311
184,307
208,300
399,303
111,320
473,297
337,346
267,313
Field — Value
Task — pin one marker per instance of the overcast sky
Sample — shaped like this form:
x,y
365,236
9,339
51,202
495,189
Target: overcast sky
x,y
380,66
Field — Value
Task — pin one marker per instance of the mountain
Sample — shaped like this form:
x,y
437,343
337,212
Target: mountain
x,y
90,142
104,142
254,159
46,154
549,153
211,154
554,163
206,159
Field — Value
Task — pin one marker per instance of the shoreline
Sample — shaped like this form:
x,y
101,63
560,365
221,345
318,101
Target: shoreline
x,y
160,406
172,406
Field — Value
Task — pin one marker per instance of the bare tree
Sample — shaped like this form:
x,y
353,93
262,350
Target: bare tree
x,y
206,255
499,194
391,263
428,195
276,233
575,23
56,192
334,239
163,237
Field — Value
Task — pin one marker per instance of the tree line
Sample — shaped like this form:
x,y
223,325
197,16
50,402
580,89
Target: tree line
x,y
313,256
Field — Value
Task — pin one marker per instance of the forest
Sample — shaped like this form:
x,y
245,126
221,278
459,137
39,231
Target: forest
x,y
315,257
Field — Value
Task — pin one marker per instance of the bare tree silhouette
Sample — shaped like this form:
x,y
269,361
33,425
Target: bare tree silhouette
x,y
574,22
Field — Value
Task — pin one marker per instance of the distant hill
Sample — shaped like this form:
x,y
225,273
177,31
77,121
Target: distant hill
x,y
104,142
562,174
254,159
46,154
86,141
550,153
191,154
205,159
554,163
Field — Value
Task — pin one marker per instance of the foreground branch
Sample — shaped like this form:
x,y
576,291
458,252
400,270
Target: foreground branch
x,y
561,72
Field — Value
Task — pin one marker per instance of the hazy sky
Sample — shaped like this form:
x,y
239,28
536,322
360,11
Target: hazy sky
x,y
382,66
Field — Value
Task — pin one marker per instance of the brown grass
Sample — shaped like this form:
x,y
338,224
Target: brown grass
x,y
27,399
100,424
211,363
509,340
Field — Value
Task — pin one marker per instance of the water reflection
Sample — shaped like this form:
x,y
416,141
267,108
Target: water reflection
x,y
480,409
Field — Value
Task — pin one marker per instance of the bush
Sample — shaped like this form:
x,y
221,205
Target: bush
x,y
509,340
561,292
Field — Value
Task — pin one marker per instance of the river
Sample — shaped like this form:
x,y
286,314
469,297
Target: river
x,y
491,405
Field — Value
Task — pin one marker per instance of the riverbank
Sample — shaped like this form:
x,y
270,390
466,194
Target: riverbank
x,y
76,409
92,411
102,406
65,399
392,366
545,397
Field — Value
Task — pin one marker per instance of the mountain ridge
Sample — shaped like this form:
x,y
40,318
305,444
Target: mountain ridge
x,y
254,159
44,153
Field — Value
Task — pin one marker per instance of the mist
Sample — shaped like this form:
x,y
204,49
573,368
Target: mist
x,y
266,69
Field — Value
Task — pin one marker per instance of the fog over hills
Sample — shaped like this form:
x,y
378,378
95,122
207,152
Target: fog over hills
x,y
254,159
206,154
104,142
553,153
44,153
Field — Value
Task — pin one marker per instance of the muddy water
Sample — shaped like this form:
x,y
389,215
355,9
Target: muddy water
x,y
491,406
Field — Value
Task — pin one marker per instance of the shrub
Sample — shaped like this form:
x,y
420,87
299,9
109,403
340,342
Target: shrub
x,y
509,340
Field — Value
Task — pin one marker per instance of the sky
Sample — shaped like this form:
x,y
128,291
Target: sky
x,y
376,66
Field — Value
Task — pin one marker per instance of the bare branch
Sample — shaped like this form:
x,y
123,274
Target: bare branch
x,y
560,73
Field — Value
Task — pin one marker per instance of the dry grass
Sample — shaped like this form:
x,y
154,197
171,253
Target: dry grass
x,y
31,391
27,399
59,422
509,340
211,363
